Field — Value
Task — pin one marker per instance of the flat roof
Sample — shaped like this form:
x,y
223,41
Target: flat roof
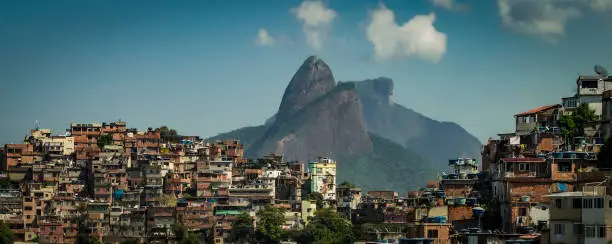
x,y
523,160
567,194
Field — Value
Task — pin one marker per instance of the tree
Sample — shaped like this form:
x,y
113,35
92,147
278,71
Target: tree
x,y
242,229
328,227
167,134
131,241
106,139
184,236
317,197
574,124
169,200
6,236
269,224
347,184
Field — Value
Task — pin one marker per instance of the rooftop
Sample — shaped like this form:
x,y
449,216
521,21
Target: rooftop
x,y
538,110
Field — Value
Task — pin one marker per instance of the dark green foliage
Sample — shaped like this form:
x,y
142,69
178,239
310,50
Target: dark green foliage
x,y
6,183
242,230
327,227
317,197
131,241
6,236
106,139
167,134
183,236
390,166
269,225
581,118
347,184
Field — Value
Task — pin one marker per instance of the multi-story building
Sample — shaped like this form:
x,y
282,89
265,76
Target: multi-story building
x,y
323,179
85,139
581,216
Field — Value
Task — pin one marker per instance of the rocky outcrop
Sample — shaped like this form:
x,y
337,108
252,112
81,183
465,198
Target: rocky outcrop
x,y
379,144
435,141
312,80
331,126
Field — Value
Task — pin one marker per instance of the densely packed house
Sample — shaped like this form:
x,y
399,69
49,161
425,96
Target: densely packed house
x,y
112,183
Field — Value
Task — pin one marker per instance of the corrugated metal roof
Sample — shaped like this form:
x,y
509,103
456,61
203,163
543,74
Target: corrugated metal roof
x,y
537,110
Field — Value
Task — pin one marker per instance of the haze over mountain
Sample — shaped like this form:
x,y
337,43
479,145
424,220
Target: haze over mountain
x,y
377,143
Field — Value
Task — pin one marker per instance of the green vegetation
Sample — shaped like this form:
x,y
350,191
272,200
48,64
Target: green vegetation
x,y
167,134
317,197
131,241
327,227
242,230
269,225
6,236
388,166
106,139
347,184
183,236
574,124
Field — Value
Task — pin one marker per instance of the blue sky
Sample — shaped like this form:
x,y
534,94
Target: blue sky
x,y
207,67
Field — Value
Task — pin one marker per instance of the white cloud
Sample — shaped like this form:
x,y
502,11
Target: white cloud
x,y
600,5
546,19
264,38
316,19
443,3
417,37
449,5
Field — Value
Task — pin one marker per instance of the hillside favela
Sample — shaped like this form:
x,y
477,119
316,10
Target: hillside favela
x,y
306,122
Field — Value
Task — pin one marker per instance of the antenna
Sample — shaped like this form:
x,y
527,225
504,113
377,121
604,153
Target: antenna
x,y
601,71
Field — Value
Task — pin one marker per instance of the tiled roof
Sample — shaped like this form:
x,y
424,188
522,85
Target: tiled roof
x,y
537,110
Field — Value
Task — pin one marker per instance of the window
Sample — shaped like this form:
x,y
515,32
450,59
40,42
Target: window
x,y
588,84
522,211
578,229
558,203
577,203
564,167
588,203
509,167
589,231
559,229
599,203
602,232
524,167
432,233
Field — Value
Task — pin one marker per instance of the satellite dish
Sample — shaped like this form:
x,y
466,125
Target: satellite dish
x,y
600,71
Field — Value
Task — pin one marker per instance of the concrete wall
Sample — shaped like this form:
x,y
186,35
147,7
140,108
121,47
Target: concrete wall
x,y
567,237
566,212
539,212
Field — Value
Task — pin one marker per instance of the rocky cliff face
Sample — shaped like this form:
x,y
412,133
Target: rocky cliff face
x,y
313,79
435,141
314,120
378,144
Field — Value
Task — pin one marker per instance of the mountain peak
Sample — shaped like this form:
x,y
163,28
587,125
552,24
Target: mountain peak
x,y
313,79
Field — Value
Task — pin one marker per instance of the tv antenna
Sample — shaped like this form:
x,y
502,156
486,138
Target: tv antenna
x,y
601,71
